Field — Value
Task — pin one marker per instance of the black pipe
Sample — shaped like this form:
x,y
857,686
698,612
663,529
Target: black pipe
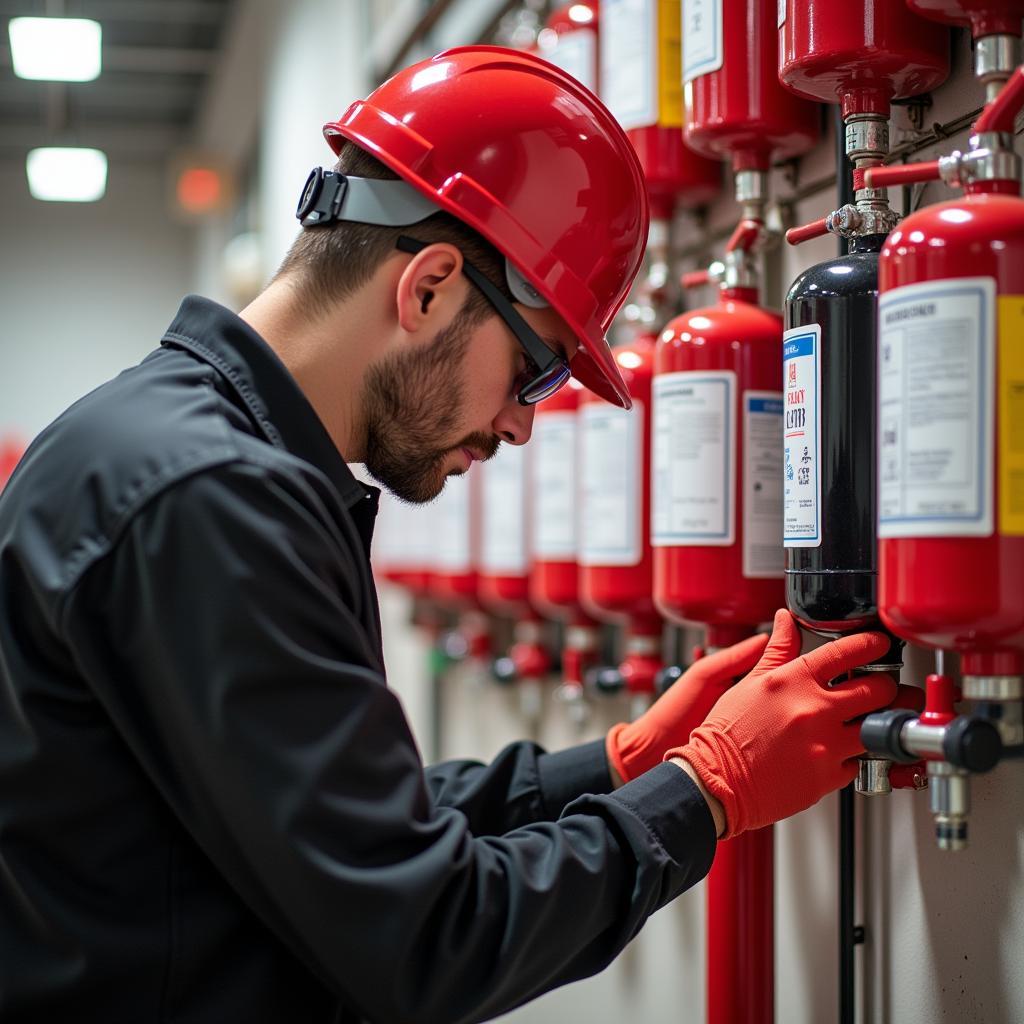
x,y
847,823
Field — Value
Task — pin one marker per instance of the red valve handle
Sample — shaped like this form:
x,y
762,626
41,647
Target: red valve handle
x,y
695,279
999,115
902,174
804,233
744,236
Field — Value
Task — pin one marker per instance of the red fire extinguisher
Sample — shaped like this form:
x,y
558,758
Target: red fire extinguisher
x,y
401,546
616,564
453,582
503,579
569,39
554,573
951,318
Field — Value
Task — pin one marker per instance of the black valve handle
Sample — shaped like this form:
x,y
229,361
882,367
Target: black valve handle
x,y
972,744
880,734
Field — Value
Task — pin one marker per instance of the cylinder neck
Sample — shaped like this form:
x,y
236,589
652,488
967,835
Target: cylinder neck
x,y
867,145
995,57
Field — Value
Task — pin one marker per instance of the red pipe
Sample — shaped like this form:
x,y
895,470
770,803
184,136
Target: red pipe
x,y
741,930
902,174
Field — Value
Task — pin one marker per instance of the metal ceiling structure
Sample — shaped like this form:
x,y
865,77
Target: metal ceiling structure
x,y
158,56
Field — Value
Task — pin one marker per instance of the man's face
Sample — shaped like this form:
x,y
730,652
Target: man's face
x,y
431,411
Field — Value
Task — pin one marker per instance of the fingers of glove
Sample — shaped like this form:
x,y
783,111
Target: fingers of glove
x,y
909,697
849,744
838,657
863,694
784,643
724,666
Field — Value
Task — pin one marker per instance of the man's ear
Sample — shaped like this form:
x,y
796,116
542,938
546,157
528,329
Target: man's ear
x,y
431,288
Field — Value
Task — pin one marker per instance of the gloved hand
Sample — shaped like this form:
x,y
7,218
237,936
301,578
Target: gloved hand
x,y
781,739
634,747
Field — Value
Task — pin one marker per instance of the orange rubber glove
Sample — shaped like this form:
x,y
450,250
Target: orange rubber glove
x,y
781,739
634,747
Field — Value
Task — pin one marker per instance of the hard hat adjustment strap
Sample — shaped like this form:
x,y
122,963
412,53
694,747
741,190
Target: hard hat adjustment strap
x,y
330,196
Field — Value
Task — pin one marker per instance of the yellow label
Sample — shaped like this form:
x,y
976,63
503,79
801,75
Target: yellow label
x,y
1010,403
670,63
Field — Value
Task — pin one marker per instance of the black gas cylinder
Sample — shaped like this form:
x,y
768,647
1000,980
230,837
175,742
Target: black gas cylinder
x,y
829,453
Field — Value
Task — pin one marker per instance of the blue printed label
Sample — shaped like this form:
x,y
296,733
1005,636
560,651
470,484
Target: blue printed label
x,y
801,438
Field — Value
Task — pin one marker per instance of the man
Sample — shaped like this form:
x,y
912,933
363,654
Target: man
x,y
211,807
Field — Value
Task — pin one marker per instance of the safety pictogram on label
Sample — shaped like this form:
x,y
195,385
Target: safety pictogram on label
x,y
503,512
801,436
554,486
576,54
936,349
763,555
1011,414
693,496
702,38
611,487
451,524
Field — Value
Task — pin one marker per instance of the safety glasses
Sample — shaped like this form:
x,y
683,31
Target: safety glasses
x,y
546,371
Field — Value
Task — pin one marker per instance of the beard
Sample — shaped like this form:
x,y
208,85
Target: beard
x,y
411,401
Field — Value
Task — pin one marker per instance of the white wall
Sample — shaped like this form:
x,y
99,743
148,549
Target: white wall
x,y
85,289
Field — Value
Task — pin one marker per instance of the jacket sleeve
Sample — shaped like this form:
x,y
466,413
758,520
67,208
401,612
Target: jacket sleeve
x,y
220,636
522,785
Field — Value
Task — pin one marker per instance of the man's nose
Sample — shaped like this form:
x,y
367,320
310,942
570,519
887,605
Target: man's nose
x,y
514,423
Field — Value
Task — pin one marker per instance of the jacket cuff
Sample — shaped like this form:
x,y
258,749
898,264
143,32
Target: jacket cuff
x,y
669,803
568,774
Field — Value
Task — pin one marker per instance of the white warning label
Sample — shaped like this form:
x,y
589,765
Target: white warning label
x,y
694,431
611,488
763,554
554,486
936,370
702,37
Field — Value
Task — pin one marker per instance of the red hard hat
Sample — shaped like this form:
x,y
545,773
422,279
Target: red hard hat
x,y
531,160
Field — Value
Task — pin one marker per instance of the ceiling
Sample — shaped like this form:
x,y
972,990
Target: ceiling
x,y
158,56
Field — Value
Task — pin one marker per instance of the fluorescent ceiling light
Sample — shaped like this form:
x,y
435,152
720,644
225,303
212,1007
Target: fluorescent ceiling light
x,y
55,49
67,175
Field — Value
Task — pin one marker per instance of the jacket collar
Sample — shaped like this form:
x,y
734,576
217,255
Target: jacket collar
x,y
262,382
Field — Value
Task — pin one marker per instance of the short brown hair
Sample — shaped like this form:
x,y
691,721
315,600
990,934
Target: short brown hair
x,y
331,262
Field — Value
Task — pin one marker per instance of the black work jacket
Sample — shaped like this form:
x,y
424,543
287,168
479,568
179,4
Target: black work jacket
x,y
211,805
